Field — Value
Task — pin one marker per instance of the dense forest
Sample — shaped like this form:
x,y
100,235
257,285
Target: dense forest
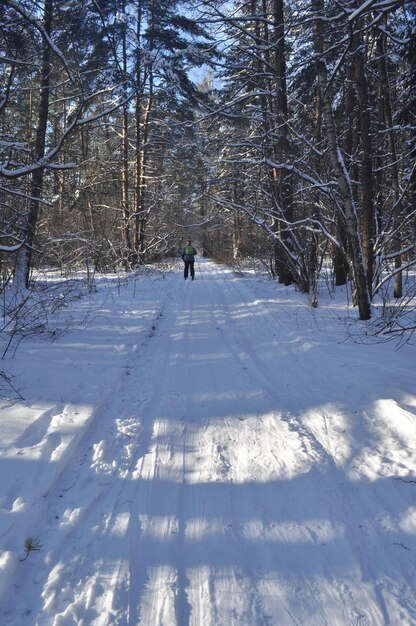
x,y
281,130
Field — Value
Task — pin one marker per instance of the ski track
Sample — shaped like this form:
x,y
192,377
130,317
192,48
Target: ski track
x,y
209,489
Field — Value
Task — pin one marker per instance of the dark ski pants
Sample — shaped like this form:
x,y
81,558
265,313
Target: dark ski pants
x,y
189,265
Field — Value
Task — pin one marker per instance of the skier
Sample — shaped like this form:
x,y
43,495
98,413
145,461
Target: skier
x,y
188,257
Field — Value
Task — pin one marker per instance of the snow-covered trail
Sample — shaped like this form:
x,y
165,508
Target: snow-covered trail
x,y
242,473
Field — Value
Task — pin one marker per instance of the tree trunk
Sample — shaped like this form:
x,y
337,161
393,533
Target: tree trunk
x,y
388,120
363,112
142,213
282,178
341,265
142,136
24,257
344,186
124,173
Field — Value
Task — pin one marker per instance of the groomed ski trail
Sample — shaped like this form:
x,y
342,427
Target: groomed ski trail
x,y
225,483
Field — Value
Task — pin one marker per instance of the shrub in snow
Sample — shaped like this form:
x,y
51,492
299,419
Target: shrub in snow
x,y
31,545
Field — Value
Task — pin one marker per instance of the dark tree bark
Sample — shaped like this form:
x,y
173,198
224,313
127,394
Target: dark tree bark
x,y
367,220
346,200
124,165
143,117
386,106
24,257
282,178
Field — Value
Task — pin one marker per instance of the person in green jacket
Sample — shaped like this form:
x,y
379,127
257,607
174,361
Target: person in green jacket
x,y
188,257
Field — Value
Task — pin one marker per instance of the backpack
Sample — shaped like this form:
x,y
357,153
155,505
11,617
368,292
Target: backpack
x,y
189,250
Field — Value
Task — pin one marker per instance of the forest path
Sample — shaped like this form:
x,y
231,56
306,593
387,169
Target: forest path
x,y
240,475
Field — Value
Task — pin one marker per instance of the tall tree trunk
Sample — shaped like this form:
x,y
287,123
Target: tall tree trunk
x,y
142,136
124,173
347,203
363,111
282,178
142,212
140,81
388,120
341,266
24,257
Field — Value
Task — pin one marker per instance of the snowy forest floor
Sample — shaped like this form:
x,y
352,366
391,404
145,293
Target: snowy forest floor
x,y
207,453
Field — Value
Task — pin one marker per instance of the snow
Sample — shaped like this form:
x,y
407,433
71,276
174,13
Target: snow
x,y
210,452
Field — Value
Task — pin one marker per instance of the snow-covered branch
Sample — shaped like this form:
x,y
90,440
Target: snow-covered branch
x,y
11,249
384,6
393,273
30,18
47,162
